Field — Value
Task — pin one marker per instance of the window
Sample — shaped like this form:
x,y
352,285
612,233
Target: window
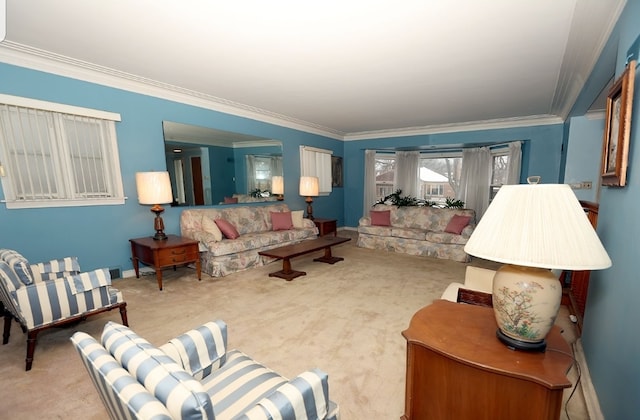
x,y
439,176
54,155
499,171
385,174
317,162
260,170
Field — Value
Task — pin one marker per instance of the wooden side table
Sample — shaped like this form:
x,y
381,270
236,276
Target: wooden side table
x,y
326,226
457,368
170,252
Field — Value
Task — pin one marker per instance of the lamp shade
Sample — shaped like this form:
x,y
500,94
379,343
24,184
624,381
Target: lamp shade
x,y
154,187
538,225
309,186
277,185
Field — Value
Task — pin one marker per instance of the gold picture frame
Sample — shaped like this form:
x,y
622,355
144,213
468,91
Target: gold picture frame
x,y
615,148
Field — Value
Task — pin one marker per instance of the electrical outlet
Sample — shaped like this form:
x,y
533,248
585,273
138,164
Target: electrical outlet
x,y
586,185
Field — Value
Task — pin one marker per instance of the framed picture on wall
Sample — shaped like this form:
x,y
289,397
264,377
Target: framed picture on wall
x,y
615,148
336,171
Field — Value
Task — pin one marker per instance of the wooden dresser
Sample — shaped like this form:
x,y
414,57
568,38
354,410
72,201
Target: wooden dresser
x,y
457,369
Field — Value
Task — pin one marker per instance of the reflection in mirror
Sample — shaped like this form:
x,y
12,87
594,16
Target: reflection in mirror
x,y
209,166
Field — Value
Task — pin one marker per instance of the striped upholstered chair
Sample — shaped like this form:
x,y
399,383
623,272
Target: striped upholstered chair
x,y
195,376
50,294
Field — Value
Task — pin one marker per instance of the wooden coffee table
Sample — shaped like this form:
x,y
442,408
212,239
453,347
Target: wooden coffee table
x,y
285,253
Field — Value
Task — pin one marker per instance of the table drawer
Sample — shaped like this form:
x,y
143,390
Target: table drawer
x,y
177,256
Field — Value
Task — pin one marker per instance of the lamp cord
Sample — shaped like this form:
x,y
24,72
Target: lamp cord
x,y
575,363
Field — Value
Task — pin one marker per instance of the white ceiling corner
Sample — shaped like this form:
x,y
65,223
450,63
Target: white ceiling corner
x,y
346,69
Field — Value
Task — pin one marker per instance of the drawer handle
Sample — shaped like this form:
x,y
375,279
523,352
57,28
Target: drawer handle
x,y
178,251
178,259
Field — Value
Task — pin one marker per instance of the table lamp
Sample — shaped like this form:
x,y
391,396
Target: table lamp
x,y
309,188
277,187
155,188
533,229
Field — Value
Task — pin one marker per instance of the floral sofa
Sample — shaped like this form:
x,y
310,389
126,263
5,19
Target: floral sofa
x,y
418,230
256,232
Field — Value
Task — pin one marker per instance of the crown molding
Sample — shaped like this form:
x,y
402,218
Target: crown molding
x,y
501,123
46,61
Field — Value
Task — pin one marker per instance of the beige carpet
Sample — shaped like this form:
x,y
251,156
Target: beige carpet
x,y
345,319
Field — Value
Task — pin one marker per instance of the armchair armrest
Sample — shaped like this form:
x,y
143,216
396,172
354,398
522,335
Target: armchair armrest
x,y
304,397
364,221
201,350
55,268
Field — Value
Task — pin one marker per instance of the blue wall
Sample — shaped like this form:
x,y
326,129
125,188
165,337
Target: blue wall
x,y
583,155
99,235
610,337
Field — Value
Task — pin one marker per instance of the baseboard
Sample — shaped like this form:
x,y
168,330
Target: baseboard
x,y
588,391
144,271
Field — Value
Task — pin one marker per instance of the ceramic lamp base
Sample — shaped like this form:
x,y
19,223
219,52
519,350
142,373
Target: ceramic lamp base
x,y
525,303
514,344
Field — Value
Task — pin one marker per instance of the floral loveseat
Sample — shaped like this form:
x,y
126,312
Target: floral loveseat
x,y
256,231
418,230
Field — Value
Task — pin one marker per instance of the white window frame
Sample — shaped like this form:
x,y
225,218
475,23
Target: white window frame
x,y
62,173
317,162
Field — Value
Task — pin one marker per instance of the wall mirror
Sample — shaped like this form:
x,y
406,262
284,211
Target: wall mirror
x,y
209,166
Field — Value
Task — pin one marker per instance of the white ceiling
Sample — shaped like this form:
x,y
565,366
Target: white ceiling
x,y
344,68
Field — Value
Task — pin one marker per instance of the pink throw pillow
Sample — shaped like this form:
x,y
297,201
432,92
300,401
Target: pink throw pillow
x,y
457,224
228,230
380,217
281,220
231,200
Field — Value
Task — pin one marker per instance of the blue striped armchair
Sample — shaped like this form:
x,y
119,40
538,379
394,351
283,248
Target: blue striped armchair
x,y
51,294
195,376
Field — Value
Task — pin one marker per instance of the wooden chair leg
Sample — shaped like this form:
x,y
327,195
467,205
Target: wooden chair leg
x,y
123,314
7,327
31,347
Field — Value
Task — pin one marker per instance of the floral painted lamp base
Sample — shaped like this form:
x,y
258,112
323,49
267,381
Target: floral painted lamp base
x,y
525,303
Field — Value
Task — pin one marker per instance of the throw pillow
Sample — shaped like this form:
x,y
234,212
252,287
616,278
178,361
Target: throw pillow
x,y
457,224
281,220
231,200
296,218
380,217
210,226
228,230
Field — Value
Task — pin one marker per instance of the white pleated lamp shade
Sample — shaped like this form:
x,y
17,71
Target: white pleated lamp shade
x,y
277,185
154,187
540,225
309,186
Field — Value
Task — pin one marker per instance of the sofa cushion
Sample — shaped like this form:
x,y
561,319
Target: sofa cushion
x,y
228,230
211,227
181,394
258,241
446,238
231,200
296,219
281,220
457,224
380,217
419,234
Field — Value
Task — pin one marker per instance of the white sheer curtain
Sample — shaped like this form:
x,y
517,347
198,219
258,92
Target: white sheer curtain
x,y
275,169
515,160
406,177
475,179
369,181
251,173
